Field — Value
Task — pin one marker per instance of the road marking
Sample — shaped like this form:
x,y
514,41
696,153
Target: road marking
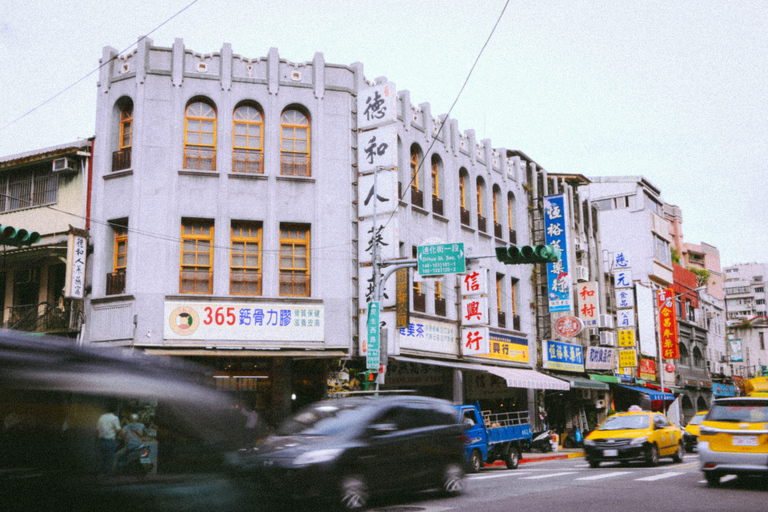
x,y
484,476
605,475
550,475
658,477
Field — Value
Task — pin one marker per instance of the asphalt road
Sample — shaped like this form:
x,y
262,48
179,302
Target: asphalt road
x,y
570,485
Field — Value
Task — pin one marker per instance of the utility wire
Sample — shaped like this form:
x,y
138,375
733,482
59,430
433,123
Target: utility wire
x,y
97,69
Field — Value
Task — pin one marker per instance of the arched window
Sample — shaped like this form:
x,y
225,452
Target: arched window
x,y
294,144
511,205
437,201
698,358
464,210
417,196
496,216
121,159
684,358
480,192
247,140
200,137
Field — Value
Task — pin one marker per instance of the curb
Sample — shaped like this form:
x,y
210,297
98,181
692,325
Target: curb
x,y
540,459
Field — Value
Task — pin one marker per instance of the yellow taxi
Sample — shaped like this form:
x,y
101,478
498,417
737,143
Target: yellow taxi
x,y
733,438
632,436
691,432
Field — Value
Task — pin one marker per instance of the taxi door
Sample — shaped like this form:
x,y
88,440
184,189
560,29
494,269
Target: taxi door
x,y
666,435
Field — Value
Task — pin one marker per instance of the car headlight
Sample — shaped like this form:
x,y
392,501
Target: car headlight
x,y
589,442
639,440
316,457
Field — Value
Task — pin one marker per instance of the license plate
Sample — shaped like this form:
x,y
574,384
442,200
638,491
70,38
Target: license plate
x,y
610,453
145,460
744,440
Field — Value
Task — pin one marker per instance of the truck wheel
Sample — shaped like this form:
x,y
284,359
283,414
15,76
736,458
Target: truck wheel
x,y
512,458
475,461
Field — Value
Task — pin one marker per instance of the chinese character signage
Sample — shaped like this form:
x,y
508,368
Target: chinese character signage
x,y
599,358
75,275
588,303
372,352
647,369
626,337
625,318
621,260
627,358
376,105
509,348
622,278
562,356
474,283
556,231
475,341
427,336
225,321
388,295
667,324
568,326
625,298
402,303
385,236
474,311
735,350
385,198
377,148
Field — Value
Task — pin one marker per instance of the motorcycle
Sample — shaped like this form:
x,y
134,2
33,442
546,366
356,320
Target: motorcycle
x,y
542,441
137,461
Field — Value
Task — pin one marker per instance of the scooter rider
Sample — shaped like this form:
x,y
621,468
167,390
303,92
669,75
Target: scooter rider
x,y
135,431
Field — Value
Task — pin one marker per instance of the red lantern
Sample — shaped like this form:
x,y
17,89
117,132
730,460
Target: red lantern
x,y
670,368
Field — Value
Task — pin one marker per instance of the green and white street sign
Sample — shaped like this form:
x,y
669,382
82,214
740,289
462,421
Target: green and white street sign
x,y
372,352
441,259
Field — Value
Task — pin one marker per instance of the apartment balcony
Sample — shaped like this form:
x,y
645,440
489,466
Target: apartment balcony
x,y
465,217
440,307
516,322
250,161
513,236
417,197
437,205
61,316
497,230
199,159
419,302
502,318
481,223
294,164
116,283
121,160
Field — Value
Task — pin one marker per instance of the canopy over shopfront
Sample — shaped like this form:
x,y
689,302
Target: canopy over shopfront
x,y
582,383
652,394
514,377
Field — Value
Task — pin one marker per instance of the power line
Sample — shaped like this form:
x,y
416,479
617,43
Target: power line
x,y
97,69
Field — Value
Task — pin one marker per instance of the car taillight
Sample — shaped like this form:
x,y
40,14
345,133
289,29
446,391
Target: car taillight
x,y
145,452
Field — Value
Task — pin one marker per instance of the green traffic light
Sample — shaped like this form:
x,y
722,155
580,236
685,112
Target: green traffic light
x,y
11,236
514,255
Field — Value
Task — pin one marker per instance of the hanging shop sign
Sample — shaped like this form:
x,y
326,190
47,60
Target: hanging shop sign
x,y
508,348
562,356
667,324
556,234
427,336
646,370
568,326
589,307
475,341
627,358
376,105
626,338
600,358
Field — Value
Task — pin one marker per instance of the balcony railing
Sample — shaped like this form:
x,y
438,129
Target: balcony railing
x,y
63,315
245,282
121,160
419,302
481,223
502,318
439,306
512,236
516,322
465,217
116,283
417,197
497,230
437,205
294,164
196,281
199,159
247,160
294,284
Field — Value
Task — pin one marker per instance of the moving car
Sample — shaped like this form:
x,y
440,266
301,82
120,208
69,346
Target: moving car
x,y
733,438
691,432
346,450
632,436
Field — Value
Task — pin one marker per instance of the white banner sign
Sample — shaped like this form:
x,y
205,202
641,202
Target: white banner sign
x,y
625,318
387,298
427,336
625,298
475,341
474,311
622,278
377,148
386,236
599,358
376,105
385,199
474,282
589,306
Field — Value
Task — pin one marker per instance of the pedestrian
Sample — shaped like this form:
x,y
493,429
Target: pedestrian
x,y
251,422
133,433
107,428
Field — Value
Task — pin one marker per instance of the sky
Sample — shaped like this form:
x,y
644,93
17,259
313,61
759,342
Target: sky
x,y
672,90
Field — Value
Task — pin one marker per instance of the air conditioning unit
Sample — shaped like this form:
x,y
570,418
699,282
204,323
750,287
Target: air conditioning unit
x,y
605,322
582,273
64,164
608,339
723,359
578,245
599,404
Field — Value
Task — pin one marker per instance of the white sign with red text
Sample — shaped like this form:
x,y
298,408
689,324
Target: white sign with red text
x,y
475,341
474,282
474,311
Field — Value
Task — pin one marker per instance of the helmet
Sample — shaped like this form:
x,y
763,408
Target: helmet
x,y
134,417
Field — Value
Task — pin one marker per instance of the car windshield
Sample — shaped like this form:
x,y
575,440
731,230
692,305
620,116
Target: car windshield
x,y
632,422
697,419
324,419
737,412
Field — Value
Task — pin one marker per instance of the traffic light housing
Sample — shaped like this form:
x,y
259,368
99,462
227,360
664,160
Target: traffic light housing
x,y
17,237
514,255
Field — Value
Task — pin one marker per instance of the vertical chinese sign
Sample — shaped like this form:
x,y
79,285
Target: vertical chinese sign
x,y
76,253
667,324
556,234
589,308
372,357
475,338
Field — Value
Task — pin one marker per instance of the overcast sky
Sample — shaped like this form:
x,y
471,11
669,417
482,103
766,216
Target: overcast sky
x,y
676,91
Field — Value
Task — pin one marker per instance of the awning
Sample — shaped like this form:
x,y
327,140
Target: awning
x,y
193,352
654,395
582,383
604,378
515,377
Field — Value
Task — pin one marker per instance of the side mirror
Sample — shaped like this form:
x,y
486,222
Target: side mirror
x,y
380,429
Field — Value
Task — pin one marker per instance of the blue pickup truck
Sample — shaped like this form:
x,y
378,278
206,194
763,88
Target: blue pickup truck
x,y
492,437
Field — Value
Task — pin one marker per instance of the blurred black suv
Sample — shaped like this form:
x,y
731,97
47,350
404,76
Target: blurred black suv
x,y
346,450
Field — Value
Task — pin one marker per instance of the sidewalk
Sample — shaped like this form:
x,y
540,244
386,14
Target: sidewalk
x,y
537,456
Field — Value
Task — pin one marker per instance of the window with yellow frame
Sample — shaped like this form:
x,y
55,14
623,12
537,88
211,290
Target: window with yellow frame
x,y
435,178
196,256
414,167
245,259
126,128
247,140
121,248
479,198
495,207
294,260
200,137
294,144
462,191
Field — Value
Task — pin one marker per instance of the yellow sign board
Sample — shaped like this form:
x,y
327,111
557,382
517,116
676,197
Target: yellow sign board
x,y
627,358
626,337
